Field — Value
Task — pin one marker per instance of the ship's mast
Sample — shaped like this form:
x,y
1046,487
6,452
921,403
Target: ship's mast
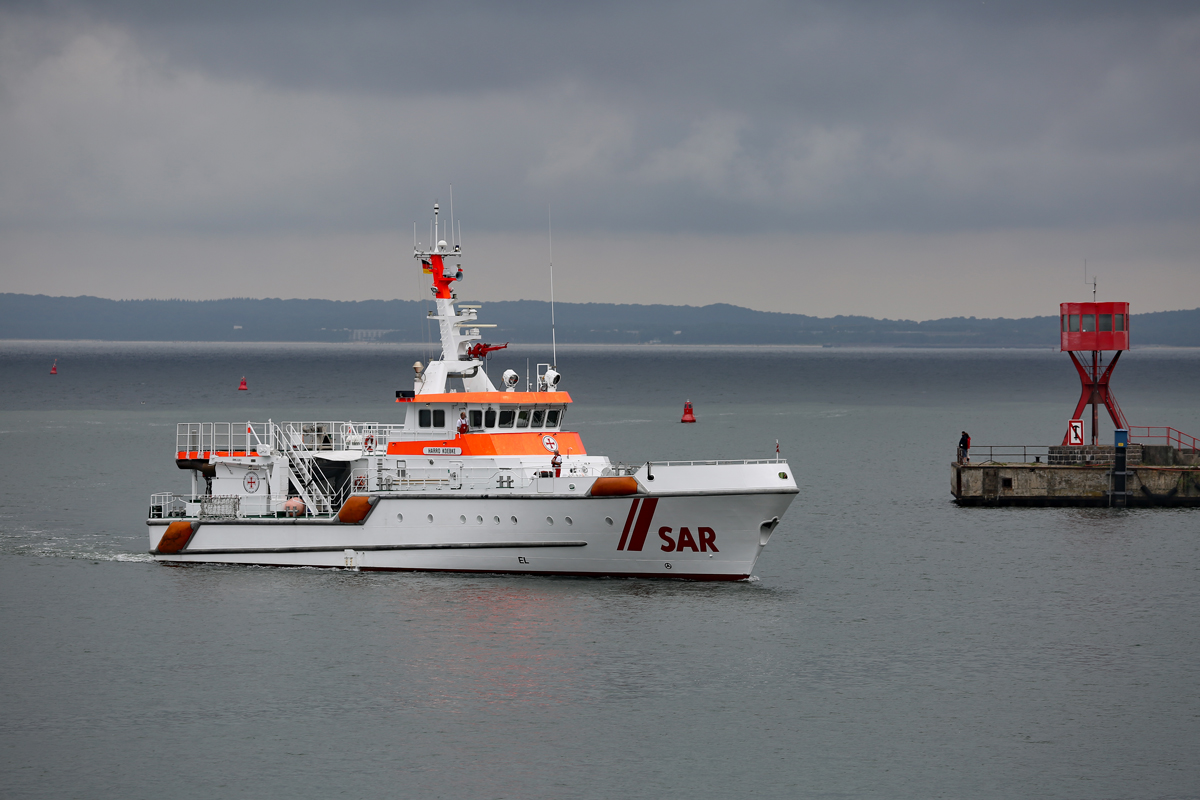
x,y
457,338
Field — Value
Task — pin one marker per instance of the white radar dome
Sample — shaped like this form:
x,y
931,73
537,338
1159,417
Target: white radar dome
x,y
442,244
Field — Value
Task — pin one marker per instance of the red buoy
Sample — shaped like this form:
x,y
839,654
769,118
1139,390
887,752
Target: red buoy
x,y
242,387
54,368
688,416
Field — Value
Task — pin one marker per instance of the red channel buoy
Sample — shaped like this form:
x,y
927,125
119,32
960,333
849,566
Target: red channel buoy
x,y
242,386
688,416
54,368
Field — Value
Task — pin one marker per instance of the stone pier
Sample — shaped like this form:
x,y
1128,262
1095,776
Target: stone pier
x,y
1156,476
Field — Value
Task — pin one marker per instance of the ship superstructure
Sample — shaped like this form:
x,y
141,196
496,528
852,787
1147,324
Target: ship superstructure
x,y
466,477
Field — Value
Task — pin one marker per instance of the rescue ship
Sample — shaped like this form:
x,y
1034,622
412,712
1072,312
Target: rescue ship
x,y
466,477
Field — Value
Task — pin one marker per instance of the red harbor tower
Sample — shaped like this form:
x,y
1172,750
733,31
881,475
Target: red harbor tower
x,y
1088,330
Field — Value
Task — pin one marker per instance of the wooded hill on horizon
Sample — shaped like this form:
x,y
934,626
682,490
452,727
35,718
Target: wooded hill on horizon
x,y
24,316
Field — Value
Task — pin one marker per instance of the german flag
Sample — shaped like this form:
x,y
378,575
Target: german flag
x,y
426,267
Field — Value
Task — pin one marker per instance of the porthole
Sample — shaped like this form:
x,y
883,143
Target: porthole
x,y
399,518
430,517
514,520
496,520
608,520
479,520
572,486
569,520
462,519
549,520
783,475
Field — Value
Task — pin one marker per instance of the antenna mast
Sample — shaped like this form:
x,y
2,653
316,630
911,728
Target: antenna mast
x,y
553,340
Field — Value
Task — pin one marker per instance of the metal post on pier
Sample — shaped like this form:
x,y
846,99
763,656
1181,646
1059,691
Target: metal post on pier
x,y
1118,495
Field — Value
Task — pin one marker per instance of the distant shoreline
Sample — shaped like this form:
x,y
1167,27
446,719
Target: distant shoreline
x,y
539,346
405,322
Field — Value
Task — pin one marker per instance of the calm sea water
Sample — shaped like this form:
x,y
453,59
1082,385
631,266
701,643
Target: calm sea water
x,y
892,645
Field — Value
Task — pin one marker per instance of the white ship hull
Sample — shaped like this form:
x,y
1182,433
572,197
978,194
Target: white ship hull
x,y
465,477
465,536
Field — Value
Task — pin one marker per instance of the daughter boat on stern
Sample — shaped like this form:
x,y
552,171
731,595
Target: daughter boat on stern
x,y
473,480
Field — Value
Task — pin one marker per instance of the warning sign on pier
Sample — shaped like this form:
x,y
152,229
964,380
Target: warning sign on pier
x,y
1075,432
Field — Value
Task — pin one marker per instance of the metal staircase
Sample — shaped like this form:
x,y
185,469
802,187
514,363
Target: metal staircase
x,y
316,492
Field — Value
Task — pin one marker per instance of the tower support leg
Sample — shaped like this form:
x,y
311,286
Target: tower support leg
x,y
1095,390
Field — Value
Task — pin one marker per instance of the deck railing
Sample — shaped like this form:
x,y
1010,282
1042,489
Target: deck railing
x,y
167,505
222,437
247,437
718,462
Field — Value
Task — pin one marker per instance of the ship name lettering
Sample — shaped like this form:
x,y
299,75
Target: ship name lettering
x,y
707,536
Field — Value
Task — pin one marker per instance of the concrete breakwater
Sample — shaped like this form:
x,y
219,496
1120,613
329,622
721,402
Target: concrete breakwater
x,y
1081,476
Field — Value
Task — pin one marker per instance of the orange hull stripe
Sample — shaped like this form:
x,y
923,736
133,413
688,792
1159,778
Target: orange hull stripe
x,y
496,444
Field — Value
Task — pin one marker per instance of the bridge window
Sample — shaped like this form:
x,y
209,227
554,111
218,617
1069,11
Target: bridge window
x,y
507,416
1089,323
1074,324
539,415
523,418
1105,323
552,418
489,418
424,417
476,418
1120,320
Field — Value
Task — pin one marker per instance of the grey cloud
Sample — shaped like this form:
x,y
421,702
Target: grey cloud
x,y
630,116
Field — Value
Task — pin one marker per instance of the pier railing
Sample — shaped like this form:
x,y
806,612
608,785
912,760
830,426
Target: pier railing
x,y
1054,455
1009,453
1164,434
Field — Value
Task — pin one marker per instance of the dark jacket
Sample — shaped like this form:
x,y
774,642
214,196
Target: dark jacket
x,y
965,442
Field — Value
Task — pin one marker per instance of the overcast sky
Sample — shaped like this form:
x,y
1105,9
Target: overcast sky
x,y
917,160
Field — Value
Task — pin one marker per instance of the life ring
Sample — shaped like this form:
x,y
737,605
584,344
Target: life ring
x,y
369,444
360,483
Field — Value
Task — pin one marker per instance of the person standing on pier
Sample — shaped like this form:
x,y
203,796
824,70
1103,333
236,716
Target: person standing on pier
x,y
964,448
